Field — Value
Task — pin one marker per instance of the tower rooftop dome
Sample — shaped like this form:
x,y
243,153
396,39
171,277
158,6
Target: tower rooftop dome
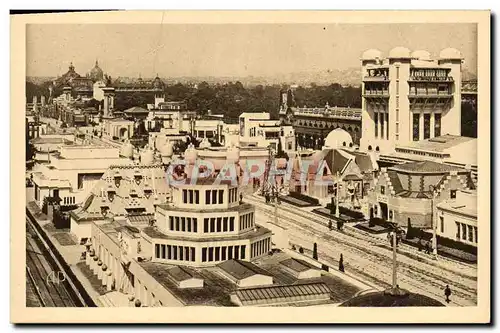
x,y
399,52
421,55
450,54
371,54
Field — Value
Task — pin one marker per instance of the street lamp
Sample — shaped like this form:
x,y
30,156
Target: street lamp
x,y
394,256
337,194
433,220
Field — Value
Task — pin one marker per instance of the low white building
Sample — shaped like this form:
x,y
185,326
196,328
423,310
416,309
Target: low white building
x,y
245,274
457,218
118,128
300,269
258,129
73,171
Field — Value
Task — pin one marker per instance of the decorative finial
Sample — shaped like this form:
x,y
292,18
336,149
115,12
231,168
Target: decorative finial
x,y
96,63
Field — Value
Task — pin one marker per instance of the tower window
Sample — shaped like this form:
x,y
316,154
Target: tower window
x,y
416,127
427,126
382,116
437,124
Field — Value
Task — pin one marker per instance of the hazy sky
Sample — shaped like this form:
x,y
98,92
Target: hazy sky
x,y
230,50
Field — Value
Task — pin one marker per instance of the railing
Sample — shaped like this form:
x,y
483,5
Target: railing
x,y
376,78
376,93
330,112
469,87
432,78
430,94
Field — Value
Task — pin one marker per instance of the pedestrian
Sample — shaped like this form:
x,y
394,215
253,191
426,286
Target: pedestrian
x,y
330,225
419,245
427,248
447,293
341,263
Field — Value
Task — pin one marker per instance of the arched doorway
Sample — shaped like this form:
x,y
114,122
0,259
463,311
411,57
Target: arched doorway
x,y
123,133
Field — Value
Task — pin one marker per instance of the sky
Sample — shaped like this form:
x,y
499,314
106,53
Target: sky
x,y
239,50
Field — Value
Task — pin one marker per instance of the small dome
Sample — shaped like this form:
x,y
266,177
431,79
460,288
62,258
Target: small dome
x,y
371,54
191,154
158,83
127,149
421,55
399,53
167,149
450,54
96,73
391,298
147,156
205,144
337,138
233,154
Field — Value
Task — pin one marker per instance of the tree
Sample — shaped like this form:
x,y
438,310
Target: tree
x,y
315,251
341,263
93,103
281,153
340,225
141,129
410,233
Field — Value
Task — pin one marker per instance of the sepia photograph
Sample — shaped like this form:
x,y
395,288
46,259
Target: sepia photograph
x,y
326,163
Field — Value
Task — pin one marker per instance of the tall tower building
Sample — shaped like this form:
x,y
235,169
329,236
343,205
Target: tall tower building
x,y
409,97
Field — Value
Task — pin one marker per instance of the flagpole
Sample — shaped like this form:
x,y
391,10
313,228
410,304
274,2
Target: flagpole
x,y
394,258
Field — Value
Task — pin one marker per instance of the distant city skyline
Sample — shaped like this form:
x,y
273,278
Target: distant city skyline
x,y
239,50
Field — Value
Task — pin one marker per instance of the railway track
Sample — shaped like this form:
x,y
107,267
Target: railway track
x,y
372,260
47,287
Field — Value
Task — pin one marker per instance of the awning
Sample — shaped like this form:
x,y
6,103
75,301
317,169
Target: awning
x,y
140,219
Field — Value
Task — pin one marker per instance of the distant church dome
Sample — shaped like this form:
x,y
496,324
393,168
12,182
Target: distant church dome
x,y
158,83
167,150
96,73
127,149
338,138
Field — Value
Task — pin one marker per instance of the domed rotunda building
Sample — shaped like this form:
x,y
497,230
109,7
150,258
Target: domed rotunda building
x,y
338,138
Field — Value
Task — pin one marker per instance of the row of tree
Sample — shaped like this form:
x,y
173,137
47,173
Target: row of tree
x,y
231,98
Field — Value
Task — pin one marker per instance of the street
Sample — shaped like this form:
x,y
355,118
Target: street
x,y
370,258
